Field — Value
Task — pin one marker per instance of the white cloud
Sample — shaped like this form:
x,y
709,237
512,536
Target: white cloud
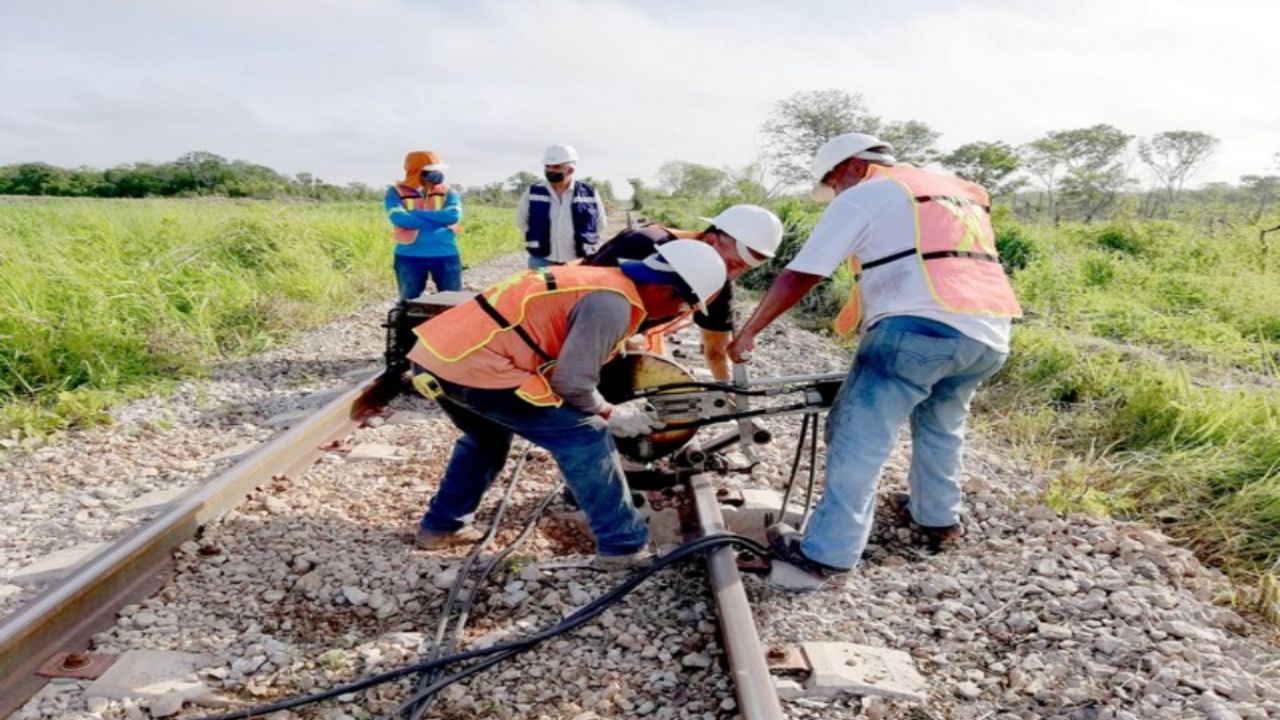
x,y
344,89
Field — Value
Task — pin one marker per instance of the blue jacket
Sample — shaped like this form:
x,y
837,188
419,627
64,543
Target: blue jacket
x,y
435,238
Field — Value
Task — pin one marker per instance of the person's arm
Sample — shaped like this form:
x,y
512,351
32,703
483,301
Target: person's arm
x,y
716,325
522,213
393,206
786,291
839,233
597,323
450,214
715,348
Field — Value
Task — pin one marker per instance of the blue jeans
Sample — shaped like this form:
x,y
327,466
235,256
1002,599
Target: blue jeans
x,y
536,262
906,367
580,444
412,274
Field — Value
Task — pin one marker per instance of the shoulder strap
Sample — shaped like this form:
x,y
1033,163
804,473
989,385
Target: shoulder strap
x,y
505,324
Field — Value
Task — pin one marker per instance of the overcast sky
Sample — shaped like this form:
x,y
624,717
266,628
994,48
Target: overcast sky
x,y
344,89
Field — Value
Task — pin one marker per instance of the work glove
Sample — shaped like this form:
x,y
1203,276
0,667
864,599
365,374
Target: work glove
x,y
633,418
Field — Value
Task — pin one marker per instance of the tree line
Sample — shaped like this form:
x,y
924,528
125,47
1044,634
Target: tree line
x,y
1084,174
193,174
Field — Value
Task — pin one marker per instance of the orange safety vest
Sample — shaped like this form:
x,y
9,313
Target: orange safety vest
x,y
955,246
413,199
512,334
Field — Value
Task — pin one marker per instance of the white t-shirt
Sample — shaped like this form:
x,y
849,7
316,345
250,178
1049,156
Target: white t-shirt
x,y
873,220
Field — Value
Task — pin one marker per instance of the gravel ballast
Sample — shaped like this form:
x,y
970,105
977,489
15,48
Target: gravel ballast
x,y
313,581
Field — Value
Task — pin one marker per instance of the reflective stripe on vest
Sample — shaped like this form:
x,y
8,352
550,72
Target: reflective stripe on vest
x,y
434,200
954,244
512,335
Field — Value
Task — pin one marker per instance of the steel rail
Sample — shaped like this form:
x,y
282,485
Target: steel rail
x,y
65,615
752,683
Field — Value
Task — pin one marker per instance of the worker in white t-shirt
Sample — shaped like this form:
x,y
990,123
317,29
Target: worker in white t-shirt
x,y
935,309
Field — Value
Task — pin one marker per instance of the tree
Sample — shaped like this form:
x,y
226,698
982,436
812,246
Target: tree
x,y
802,122
912,140
1045,159
521,181
1261,191
987,163
1095,167
1173,155
691,180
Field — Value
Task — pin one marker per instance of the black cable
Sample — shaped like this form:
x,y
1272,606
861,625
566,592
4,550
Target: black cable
x,y
530,524
446,610
578,618
813,471
597,606
795,467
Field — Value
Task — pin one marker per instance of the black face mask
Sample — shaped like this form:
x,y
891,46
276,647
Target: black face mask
x,y
554,177
435,177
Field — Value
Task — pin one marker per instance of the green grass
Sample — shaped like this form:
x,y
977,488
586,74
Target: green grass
x,y
103,299
1144,380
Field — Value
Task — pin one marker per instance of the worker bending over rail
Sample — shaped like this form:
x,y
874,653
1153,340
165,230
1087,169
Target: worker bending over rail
x,y
745,236
936,324
524,358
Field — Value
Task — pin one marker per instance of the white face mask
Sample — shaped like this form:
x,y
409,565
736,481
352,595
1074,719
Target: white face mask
x,y
823,193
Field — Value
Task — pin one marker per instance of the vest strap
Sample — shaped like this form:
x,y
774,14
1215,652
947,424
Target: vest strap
x,y
889,258
958,199
503,323
936,255
967,254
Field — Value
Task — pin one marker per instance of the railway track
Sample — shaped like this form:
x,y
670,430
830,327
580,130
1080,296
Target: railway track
x,y
50,633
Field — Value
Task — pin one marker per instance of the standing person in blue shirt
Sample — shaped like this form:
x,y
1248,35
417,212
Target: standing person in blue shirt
x,y
424,214
561,218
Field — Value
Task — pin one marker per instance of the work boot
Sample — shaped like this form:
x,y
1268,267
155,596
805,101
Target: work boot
x,y
438,539
620,563
790,568
935,538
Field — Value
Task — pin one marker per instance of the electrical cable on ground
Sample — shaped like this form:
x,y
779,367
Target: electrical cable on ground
x,y
464,613
506,650
446,610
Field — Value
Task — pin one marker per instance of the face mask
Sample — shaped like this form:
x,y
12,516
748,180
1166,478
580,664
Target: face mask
x,y
554,177
435,177
823,193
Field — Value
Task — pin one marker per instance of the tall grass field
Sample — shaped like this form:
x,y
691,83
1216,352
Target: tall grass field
x,y
100,299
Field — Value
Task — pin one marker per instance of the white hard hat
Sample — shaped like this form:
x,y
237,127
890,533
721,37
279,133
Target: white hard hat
x,y
559,154
692,263
841,148
752,227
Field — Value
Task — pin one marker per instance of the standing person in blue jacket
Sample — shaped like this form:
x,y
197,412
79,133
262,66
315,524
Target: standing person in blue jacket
x,y
561,218
424,214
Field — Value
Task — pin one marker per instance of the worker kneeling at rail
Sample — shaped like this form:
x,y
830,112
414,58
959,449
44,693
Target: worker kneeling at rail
x,y
524,358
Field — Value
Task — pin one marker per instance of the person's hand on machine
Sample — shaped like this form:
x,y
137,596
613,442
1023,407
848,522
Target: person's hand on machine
x,y
631,418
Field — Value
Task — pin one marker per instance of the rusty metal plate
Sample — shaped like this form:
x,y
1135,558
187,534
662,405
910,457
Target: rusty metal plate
x,y
77,665
787,660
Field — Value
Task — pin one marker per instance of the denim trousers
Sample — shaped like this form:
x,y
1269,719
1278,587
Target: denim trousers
x,y
905,368
413,272
536,262
579,442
